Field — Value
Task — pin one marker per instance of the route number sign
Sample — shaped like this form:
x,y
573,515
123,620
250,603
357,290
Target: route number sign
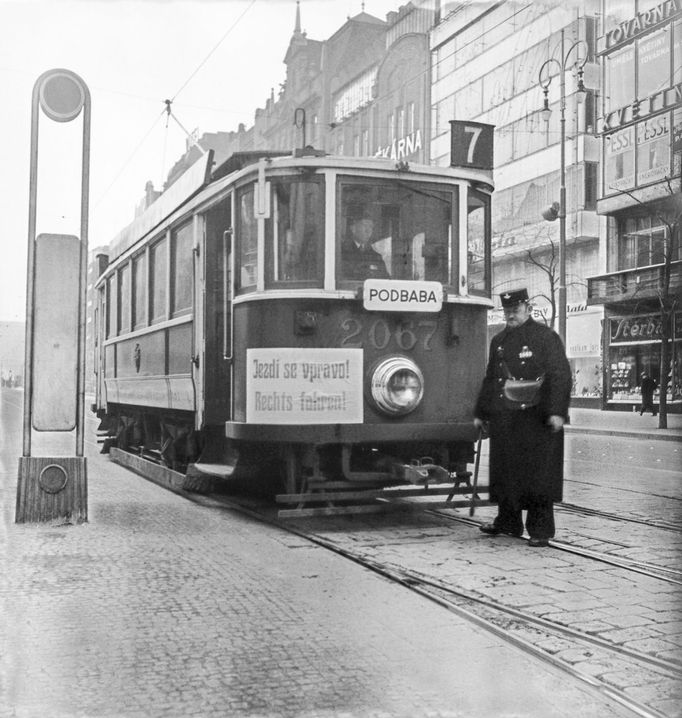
x,y
471,144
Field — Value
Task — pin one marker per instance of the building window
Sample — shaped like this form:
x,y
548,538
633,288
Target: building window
x,y
410,118
356,145
620,85
354,96
365,143
642,244
591,185
653,63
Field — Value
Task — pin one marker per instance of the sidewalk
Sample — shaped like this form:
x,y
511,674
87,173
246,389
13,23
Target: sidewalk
x,y
624,423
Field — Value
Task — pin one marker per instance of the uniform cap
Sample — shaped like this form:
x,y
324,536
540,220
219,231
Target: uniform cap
x,y
511,299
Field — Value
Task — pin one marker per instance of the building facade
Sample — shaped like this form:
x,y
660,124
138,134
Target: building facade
x,y
640,126
486,60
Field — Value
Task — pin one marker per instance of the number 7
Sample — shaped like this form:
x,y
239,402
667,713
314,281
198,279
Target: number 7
x,y
475,134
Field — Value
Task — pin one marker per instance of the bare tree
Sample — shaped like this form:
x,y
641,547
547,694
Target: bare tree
x,y
545,258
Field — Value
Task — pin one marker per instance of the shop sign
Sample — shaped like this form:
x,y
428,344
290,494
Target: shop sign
x,y
643,22
318,386
629,330
639,109
402,148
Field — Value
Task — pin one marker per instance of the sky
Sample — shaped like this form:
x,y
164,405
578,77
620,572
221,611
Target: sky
x,y
217,60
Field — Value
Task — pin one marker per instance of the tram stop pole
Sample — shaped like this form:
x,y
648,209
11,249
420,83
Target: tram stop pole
x,y
51,488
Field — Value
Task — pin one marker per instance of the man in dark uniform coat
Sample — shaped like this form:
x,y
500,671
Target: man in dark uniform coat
x,y
648,387
526,442
359,260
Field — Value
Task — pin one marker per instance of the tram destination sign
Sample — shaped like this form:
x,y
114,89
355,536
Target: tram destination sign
x,y
387,295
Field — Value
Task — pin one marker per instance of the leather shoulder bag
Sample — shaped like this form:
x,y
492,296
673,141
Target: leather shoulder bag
x,y
521,393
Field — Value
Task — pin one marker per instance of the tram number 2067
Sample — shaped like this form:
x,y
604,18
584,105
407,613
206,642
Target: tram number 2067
x,y
379,334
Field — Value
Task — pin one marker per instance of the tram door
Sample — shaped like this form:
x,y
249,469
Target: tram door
x,y
217,313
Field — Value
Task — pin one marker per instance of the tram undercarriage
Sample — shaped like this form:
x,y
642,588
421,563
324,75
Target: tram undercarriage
x,y
287,471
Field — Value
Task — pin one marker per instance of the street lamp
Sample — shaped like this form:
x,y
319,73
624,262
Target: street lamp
x,y
562,65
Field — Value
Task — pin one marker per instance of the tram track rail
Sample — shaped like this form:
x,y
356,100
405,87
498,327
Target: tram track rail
x,y
585,511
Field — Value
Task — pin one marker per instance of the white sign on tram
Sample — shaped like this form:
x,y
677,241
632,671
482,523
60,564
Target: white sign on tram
x,y
287,385
392,296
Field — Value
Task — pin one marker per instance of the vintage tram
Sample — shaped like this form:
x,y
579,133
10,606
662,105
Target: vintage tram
x,y
246,331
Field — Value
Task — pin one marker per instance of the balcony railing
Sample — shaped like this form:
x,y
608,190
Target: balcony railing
x,y
632,284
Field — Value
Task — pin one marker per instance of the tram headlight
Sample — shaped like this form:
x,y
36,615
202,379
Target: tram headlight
x,y
397,385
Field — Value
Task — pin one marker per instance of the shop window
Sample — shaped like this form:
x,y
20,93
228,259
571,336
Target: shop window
x,y
619,156
124,299
140,291
158,271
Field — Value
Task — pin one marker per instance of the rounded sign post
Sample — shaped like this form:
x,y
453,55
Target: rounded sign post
x,y
51,488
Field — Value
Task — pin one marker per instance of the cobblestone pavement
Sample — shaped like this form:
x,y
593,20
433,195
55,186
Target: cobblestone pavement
x,y
635,611
162,607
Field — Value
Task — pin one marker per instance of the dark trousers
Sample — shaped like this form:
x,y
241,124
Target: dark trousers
x,y
539,518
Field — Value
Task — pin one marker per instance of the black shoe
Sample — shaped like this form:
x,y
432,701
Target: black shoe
x,y
492,530
538,543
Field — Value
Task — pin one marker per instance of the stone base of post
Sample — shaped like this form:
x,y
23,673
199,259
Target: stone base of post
x,y
52,488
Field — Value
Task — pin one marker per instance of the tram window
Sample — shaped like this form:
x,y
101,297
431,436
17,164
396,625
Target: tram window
x,y
140,291
478,243
112,295
182,268
297,231
398,230
247,245
124,299
158,272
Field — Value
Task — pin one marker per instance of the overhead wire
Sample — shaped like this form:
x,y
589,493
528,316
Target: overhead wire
x,y
167,105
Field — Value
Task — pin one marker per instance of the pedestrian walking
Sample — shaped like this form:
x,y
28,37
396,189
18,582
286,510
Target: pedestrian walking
x,y
523,405
648,387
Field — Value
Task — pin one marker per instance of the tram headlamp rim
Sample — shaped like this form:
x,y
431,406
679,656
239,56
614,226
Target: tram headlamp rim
x,y
383,396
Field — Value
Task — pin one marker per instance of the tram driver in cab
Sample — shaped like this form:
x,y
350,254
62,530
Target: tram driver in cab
x,y
359,259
